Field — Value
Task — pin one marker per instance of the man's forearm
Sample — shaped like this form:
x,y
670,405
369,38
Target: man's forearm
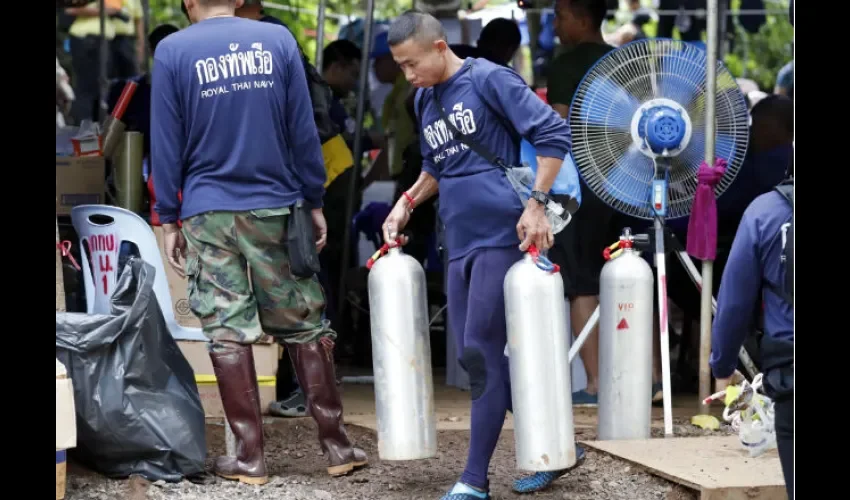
x,y
425,187
547,171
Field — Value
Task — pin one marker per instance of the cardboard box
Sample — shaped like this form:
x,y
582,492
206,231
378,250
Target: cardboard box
x,y
177,287
91,145
79,181
66,425
61,472
265,362
66,416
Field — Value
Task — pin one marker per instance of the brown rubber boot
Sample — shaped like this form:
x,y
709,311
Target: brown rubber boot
x,y
237,381
314,367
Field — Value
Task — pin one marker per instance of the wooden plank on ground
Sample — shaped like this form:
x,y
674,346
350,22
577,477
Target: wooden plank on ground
x,y
716,466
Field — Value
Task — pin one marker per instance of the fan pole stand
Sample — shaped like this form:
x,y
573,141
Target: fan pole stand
x,y
663,326
659,203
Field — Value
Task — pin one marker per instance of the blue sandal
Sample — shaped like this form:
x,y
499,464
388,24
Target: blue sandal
x,y
542,480
461,491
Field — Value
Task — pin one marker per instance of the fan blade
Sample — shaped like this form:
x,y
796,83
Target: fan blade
x,y
629,180
724,146
682,74
608,105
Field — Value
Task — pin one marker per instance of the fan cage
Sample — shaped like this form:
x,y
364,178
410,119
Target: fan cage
x,y
611,92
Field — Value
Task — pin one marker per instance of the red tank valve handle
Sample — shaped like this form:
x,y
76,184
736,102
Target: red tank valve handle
x,y
381,252
613,251
542,263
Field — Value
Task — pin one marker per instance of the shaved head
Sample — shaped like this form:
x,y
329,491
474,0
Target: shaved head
x,y
418,44
416,26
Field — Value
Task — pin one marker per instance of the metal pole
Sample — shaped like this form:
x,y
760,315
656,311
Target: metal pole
x,y
104,64
362,92
707,265
146,23
320,34
722,29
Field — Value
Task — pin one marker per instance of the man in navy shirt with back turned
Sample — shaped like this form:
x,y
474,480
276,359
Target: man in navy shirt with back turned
x,y
234,129
757,275
487,229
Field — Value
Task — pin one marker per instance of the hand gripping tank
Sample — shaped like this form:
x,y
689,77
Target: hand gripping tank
x,y
538,349
401,358
626,301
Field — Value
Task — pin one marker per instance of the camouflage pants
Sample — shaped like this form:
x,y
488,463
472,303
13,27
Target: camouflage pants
x,y
240,285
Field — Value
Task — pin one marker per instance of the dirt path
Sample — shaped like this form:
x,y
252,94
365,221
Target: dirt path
x,y
298,472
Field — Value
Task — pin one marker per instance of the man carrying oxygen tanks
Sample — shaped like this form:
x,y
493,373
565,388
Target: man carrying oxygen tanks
x,y
465,108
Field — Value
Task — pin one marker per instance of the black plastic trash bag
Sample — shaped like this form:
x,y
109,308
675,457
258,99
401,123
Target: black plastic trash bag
x,y
138,408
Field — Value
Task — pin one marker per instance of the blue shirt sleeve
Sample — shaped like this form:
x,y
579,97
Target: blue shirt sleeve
x,y
428,165
302,135
740,290
168,141
535,121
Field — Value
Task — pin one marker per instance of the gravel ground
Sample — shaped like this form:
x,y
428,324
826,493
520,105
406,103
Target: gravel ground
x,y
298,473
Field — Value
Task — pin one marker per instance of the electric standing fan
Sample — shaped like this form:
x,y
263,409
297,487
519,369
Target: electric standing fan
x,y
638,121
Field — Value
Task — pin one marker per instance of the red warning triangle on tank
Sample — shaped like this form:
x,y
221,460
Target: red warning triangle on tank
x,y
622,325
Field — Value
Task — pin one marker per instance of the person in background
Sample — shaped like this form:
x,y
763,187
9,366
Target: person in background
x,y
128,47
498,42
236,204
395,122
487,228
84,39
632,30
341,69
138,114
766,163
785,81
578,248
253,9
688,23
64,95
752,285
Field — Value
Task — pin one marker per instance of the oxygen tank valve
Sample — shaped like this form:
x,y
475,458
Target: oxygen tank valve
x,y
638,242
641,241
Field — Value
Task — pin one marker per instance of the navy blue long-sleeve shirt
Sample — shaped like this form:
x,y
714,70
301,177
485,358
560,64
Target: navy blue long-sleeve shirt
x,y
754,262
478,205
232,122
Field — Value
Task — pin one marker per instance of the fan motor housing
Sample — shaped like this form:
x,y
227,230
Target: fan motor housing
x,y
661,127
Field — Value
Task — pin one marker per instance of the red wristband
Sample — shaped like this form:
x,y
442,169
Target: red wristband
x,y
409,199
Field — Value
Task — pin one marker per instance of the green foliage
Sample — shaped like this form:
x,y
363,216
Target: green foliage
x,y
167,12
302,20
760,56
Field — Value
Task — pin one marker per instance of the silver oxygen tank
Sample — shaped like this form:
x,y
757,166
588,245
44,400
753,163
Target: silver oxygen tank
x,y
538,349
626,288
401,358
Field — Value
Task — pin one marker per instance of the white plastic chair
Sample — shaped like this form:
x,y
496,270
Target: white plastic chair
x,y
104,239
